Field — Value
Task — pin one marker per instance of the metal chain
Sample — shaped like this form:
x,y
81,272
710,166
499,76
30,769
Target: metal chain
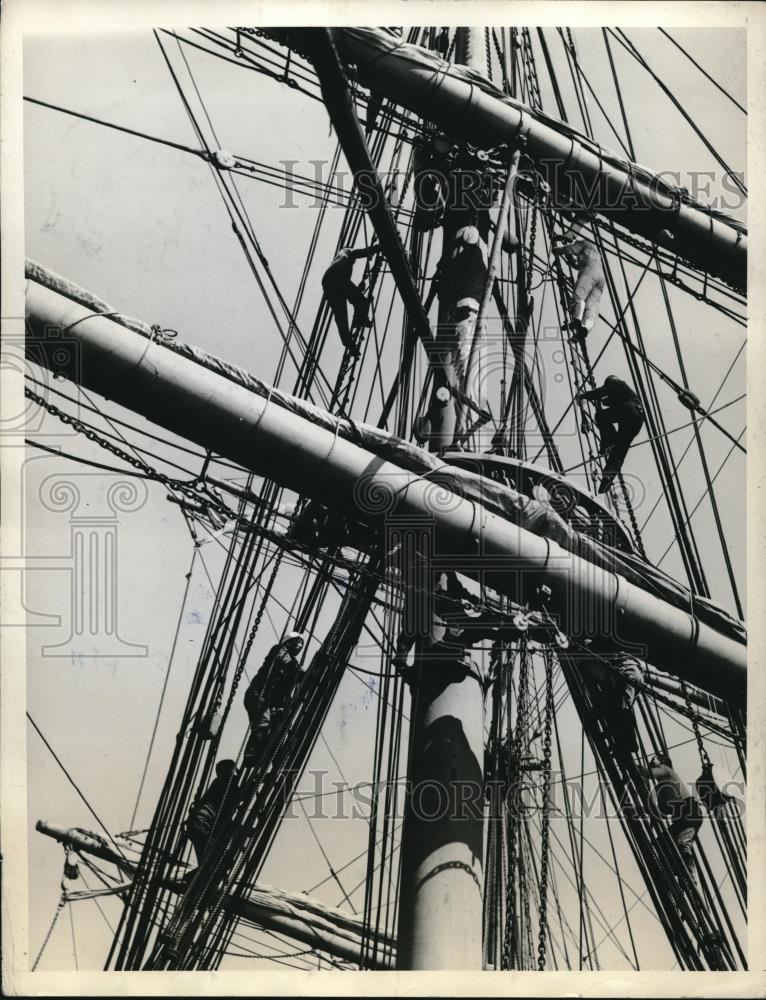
x,y
524,890
544,845
251,638
189,489
59,907
531,250
406,186
514,756
192,489
632,516
704,757
532,78
501,61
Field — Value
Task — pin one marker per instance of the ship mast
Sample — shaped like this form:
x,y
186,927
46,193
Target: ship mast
x,y
443,836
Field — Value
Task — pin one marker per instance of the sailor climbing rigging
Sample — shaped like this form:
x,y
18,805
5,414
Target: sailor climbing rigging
x,y
339,290
673,799
209,808
270,691
619,418
616,676
589,286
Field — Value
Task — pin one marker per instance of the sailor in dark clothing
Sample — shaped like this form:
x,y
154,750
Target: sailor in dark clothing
x,y
270,691
208,810
339,290
619,419
615,676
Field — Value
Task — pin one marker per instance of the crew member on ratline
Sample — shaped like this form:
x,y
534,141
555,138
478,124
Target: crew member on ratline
x,y
270,692
589,286
619,418
210,808
339,290
674,800
616,676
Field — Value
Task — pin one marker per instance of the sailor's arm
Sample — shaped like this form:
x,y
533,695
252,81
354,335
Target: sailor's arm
x,y
593,394
364,252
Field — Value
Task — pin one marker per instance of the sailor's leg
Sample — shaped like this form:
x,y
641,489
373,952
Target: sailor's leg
x,y
259,731
338,305
590,314
685,836
606,431
625,732
618,452
629,696
577,309
577,303
404,644
198,835
628,427
360,302
632,423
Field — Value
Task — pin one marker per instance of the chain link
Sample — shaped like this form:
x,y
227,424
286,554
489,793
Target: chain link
x,y
704,757
632,516
531,251
189,489
528,958
512,761
544,846
59,907
501,61
531,71
196,490
250,639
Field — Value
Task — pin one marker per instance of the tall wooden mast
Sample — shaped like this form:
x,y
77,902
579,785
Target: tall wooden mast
x,y
440,903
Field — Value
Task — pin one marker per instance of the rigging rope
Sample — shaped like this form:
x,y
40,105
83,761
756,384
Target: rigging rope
x,y
629,46
704,72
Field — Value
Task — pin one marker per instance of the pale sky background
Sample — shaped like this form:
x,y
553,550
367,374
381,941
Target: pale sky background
x,y
143,227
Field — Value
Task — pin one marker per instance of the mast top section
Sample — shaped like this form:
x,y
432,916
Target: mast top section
x,y
581,173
